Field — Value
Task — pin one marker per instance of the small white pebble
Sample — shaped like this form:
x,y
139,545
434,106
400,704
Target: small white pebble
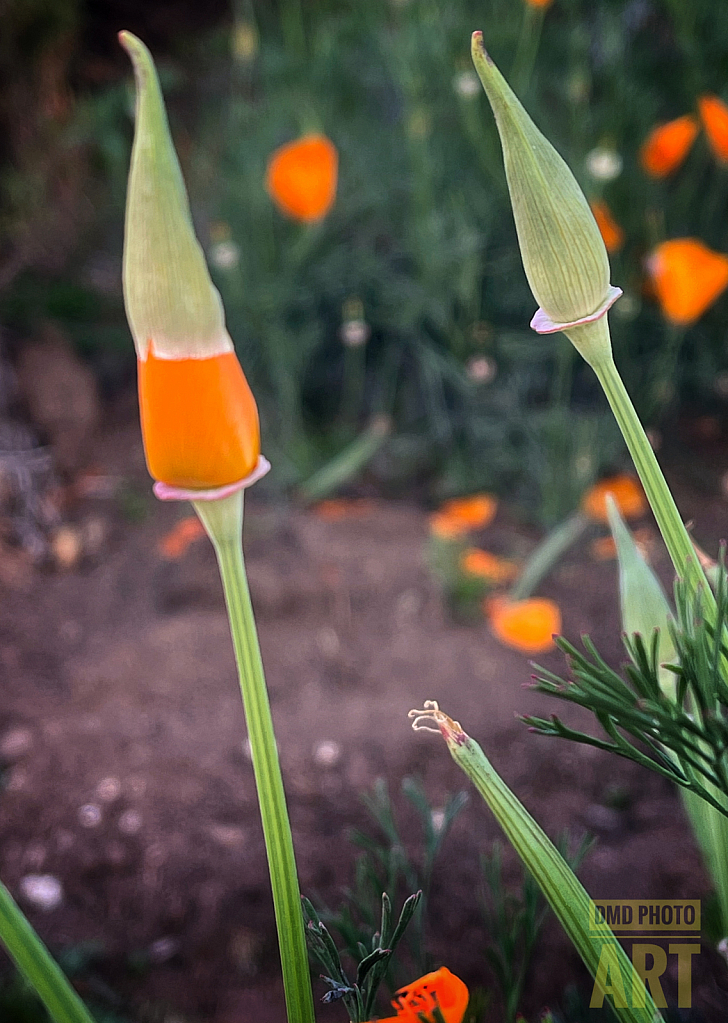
x,y
42,890
130,822
89,815
15,743
327,753
163,949
108,789
227,835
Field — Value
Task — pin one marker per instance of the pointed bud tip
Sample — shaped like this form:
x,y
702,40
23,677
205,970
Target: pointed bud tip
x,y
478,47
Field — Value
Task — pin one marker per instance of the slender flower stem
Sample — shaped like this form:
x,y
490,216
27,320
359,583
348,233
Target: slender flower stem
x,y
658,493
547,553
37,965
562,889
223,521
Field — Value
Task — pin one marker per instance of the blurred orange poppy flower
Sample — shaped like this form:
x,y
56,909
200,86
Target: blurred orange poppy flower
x,y
302,176
459,516
440,989
539,3
612,234
667,145
526,625
687,277
175,543
627,492
335,509
714,114
486,565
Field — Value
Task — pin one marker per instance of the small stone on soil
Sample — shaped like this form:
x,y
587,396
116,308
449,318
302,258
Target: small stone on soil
x,y
42,890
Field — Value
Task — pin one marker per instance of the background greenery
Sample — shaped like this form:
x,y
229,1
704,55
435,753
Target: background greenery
x,y
420,244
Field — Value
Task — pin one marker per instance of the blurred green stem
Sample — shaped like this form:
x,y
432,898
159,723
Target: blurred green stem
x,y
547,553
37,965
223,520
527,49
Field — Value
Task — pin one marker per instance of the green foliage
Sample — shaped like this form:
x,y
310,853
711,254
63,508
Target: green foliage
x,y
685,738
372,959
421,235
514,920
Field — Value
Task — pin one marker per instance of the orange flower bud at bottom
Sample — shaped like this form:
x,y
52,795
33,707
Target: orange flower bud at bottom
x,y
441,988
199,420
525,625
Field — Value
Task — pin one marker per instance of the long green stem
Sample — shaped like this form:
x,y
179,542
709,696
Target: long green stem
x,y
658,493
709,825
37,965
223,520
566,895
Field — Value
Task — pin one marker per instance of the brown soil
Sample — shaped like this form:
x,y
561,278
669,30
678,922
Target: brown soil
x,y
121,672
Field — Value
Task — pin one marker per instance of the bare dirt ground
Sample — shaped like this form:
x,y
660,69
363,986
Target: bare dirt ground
x,y
127,778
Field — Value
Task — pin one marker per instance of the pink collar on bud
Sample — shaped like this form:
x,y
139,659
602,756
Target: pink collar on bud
x,y
543,324
165,492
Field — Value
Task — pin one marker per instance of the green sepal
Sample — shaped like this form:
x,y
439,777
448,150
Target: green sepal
x,y
563,253
170,299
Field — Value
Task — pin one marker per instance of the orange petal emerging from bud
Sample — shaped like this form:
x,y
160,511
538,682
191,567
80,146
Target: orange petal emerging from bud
x,y
487,566
688,277
302,177
525,625
442,989
199,420
667,145
458,517
714,115
626,491
611,232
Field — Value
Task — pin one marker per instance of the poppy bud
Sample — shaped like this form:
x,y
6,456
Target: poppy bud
x,y
643,604
563,253
199,417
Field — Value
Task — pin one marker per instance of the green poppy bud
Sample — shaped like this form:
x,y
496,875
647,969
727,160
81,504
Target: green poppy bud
x,y
642,601
563,253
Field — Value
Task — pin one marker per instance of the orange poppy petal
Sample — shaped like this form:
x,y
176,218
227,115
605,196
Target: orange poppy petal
x,y
486,565
335,509
612,234
714,115
525,625
667,145
457,517
539,3
302,177
176,542
441,989
626,491
199,420
687,277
